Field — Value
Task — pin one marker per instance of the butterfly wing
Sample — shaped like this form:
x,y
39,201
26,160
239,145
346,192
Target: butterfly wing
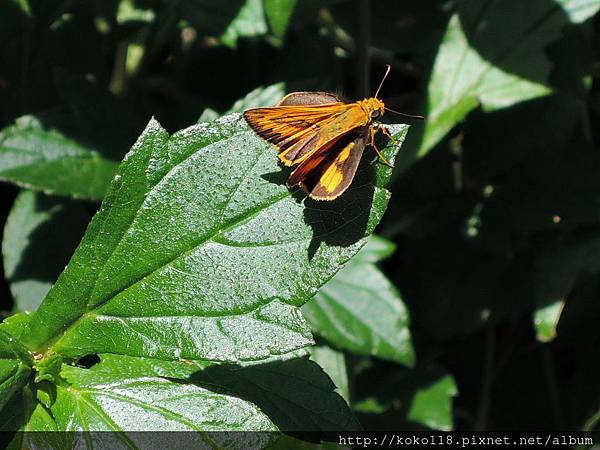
x,y
327,175
308,98
303,123
295,130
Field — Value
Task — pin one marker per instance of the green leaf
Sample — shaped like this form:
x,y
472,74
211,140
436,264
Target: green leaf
x,y
39,237
493,54
15,367
208,115
261,96
294,393
278,14
557,269
432,404
545,320
376,249
360,309
129,12
418,396
249,22
333,363
46,160
99,400
199,251
229,19
24,414
15,324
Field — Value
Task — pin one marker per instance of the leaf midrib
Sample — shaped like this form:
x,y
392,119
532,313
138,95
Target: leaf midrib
x,y
248,215
126,399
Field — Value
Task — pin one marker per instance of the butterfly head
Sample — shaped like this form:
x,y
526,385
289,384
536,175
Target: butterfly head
x,y
373,107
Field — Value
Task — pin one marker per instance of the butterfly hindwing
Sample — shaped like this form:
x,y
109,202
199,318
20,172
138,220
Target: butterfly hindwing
x,y
328,174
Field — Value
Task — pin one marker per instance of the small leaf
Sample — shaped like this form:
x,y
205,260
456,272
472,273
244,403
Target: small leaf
x,y
39,237
333,363
416,396
278,14
545,320
199,251
15,324
261,96
432,404
46,160
494,54
15,367
23,414
208,115
557,269
360,310
249,22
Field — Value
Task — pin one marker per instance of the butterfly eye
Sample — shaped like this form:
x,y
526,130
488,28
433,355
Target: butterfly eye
x,y
375,114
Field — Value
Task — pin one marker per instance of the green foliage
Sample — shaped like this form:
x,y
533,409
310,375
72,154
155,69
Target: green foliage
x,y
493,54
170,280
361,311
39,237
46,160
154,240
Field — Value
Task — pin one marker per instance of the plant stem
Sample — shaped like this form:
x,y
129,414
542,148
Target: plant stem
x,y
552,385
481,421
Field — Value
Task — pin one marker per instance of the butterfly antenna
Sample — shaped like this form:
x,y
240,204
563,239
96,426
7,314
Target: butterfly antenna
x,y
382,80
405,115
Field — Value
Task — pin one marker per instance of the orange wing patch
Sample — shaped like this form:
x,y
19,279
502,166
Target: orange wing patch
x,y
298,131
328,175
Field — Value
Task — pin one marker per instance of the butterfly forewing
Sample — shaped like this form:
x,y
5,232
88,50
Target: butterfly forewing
x,y
298,131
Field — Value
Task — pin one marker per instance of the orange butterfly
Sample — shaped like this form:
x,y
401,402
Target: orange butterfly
x,y
322,135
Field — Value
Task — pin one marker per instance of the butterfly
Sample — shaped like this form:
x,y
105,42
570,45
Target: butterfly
x,y
321,135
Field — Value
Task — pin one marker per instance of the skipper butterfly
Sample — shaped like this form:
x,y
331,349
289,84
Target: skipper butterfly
x,y
321,135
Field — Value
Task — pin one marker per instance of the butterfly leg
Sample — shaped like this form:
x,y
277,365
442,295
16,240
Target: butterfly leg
x,y
373,132
385,131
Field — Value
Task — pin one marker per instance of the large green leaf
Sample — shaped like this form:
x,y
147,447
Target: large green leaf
x,y
101,400
123,393
199,251
296,394
360,309
46,160
39,237
494,54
